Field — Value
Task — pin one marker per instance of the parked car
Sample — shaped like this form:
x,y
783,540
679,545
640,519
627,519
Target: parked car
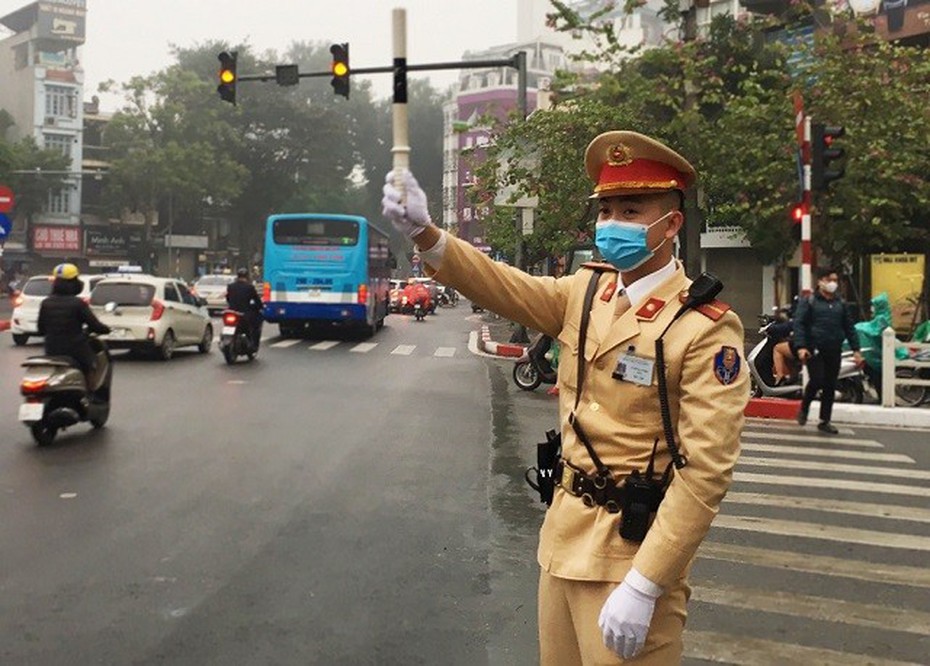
x,y
212,288
152,314
395,295
24,322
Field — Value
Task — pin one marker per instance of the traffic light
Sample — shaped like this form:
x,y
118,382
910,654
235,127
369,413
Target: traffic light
x,y
340,69
228,78
823,152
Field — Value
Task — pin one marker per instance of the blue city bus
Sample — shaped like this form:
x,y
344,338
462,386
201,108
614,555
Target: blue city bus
x,y
325,270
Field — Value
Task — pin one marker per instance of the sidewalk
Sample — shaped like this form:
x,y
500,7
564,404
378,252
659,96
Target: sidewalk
x,y
774,408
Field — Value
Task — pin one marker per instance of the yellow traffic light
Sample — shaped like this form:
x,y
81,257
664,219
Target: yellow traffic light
x,y
340,69
227,76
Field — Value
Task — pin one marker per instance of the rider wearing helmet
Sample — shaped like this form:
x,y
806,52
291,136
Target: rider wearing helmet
x,y
242,297
63,316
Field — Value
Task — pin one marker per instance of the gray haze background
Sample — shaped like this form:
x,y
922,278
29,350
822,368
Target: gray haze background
x,y
130,37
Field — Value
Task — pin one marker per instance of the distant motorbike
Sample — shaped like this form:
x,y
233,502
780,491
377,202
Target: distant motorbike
x,y
534,367
235,339
419,311
850,385
58,394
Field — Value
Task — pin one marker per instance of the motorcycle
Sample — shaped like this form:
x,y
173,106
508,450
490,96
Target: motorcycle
x,y
850,385
58,394
419,311
534,367
235,340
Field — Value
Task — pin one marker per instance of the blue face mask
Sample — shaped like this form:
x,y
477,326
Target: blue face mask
x,y
623,244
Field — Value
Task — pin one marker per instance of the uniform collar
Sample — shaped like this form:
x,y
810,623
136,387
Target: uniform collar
x,y
641,288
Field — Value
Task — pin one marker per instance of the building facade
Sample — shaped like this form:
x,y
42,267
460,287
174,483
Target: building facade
x,y
41,87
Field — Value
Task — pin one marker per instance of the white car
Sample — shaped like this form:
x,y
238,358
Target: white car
x,y
24,323
212,288
152,314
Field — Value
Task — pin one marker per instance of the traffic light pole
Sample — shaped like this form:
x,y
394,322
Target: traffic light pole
x,y
806,199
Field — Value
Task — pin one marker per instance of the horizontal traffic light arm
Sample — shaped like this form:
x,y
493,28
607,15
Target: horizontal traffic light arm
x,y
466,64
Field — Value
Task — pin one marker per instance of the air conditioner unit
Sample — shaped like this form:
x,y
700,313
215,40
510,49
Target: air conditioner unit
x,y
50,120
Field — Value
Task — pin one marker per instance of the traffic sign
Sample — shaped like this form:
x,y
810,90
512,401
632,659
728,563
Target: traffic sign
x,y
6,225
6,199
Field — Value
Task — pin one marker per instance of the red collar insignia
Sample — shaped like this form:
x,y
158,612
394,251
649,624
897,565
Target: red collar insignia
x,y
650,309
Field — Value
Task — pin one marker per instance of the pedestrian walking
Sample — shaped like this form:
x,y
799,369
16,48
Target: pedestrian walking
x,y
636,485
821,324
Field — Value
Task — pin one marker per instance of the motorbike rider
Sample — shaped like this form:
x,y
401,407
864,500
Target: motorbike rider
x,y
416,292
242,297
63,316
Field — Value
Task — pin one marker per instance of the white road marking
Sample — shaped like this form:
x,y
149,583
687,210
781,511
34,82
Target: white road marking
x,y
323,346
788,463
283,344
874,572
836,484
445,352
730,649
823,532
867,509
770,424
827,453
237,381
825,439
68,495
404,350
363,347
821,609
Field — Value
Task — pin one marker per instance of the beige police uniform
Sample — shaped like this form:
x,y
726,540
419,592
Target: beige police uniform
x,y
581,554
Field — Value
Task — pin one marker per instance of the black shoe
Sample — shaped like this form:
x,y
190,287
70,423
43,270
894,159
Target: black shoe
x,y
827,427
802,416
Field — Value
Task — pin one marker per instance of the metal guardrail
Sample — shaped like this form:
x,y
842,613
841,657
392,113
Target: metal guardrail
x,y
890,365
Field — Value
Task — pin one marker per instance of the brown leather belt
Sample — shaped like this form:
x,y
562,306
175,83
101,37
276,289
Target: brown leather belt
x,y
593,490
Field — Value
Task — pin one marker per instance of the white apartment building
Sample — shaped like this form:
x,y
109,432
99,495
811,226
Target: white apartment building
x,y
41,87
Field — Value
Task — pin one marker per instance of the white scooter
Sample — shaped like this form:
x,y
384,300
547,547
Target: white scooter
x,y
849,383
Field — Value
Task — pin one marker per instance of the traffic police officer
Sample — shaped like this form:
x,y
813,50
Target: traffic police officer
x,y
604,599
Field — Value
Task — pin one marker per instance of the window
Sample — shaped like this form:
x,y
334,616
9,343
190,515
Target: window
x,y
61,101
122,293
59,201
171,294
59,142
38,286
186,296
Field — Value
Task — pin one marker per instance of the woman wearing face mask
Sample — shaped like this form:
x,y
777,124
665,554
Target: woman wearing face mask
x,y
821,325
608,596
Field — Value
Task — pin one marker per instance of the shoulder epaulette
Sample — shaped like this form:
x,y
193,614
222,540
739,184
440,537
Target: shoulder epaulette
x,y
713,310
600,266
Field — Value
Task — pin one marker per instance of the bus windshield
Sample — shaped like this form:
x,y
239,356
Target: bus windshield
x,y
315,231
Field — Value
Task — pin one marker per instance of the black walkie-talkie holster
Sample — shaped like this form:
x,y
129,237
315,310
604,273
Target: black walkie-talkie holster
x,y
547,455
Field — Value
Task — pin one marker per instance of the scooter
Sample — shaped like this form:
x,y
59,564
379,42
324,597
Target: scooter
x,y
58,395
533,367
419,311
849,384
234,338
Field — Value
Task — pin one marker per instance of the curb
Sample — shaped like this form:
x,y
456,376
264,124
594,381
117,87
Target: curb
x,y
848,413
488,346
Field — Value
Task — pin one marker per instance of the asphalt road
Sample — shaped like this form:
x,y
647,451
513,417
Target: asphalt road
x,y
363,503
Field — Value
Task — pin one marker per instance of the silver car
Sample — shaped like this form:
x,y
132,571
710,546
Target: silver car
x,y
152,313
212,288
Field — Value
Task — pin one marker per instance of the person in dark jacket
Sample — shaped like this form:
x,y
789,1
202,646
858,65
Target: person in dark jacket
x,y
242,297
820,326
63,316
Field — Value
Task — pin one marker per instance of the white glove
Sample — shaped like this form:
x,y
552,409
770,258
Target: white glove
x,y
627,614
409,219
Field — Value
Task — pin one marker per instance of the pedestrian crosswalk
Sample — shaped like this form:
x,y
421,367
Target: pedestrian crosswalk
x,y
391,349
818,555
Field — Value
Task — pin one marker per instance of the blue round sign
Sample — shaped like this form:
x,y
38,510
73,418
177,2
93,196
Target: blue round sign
x,y
6,225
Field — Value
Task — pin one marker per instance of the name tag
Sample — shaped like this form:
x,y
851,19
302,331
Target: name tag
x,y
634,369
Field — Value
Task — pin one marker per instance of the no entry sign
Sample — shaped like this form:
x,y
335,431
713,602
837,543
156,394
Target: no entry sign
x,y
6,199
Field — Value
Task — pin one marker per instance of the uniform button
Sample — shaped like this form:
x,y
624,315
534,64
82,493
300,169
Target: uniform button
x,y
595,407
601,364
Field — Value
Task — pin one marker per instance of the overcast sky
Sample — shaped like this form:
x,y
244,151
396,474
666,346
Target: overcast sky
x,y
129,37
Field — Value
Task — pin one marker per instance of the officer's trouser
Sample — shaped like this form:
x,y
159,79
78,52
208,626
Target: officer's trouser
x,y
570,636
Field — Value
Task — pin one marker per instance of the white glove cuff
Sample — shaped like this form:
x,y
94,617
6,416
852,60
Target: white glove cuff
x,y
642,584
433,256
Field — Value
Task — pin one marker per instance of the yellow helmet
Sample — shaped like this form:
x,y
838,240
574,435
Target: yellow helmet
x,y
65,271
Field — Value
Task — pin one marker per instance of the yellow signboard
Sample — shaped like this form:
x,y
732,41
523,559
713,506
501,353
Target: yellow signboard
x,y
902,277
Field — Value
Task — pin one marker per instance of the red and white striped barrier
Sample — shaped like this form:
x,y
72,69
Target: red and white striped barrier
x,y
488,346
